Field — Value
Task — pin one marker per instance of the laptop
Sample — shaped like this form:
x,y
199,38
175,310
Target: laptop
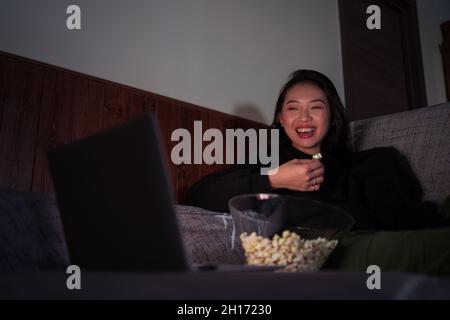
x,y
116,201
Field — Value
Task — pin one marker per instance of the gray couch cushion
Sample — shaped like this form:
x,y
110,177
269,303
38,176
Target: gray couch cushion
x,y
32,236
422,135
208,236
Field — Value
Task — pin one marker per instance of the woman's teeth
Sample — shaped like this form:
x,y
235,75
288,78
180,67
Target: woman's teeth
x,y
302,130
305,133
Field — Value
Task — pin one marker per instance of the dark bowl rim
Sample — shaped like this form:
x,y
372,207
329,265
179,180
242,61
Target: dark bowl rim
x,y
275,195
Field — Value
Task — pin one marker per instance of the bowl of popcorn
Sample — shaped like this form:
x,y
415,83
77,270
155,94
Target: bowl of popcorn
x,y
297,234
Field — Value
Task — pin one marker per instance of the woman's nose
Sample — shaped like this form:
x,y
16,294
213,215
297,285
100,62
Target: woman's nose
x,y
304,115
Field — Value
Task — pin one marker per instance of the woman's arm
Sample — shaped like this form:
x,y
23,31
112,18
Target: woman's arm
x,y
213,191
393,193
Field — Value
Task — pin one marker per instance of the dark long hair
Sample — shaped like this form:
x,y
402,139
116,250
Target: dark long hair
x,y
336,139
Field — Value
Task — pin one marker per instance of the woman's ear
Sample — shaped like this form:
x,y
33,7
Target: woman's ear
x,y
279,120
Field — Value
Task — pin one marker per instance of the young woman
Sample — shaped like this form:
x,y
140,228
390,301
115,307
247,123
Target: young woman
x,y
377,187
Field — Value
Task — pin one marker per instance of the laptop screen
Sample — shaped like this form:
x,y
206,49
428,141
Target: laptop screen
x,y
116,200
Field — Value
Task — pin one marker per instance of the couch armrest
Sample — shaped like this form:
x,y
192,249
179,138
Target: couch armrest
x,y
422,135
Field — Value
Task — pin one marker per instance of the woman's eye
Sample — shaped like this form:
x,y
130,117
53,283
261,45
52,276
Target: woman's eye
x,y
317,107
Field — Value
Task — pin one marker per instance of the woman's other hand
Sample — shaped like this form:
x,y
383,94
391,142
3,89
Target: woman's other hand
x,y
299,175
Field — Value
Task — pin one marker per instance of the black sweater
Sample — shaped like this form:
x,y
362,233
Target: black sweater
x,y
377,187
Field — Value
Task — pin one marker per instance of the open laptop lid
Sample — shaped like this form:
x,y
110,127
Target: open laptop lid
x,y
116,201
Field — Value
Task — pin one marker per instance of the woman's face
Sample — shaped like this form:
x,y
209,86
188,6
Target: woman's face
x,y
305,117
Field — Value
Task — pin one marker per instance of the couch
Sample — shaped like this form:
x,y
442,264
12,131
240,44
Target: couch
x,y
32,239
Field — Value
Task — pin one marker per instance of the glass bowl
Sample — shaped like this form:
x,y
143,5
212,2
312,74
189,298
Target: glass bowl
x,y
270,214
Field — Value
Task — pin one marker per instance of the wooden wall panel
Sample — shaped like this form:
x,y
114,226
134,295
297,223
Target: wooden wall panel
x,y
8,139
8,132
116,106
185,173
46,133
169,120
43,106
29,112
64,113
95,101
142,104
79,107
445,51
20,116
5,68
219,122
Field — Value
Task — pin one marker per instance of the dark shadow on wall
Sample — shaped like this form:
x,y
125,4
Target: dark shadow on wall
x,y
250,111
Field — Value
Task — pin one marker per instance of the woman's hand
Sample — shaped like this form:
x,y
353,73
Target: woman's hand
x,y
298,175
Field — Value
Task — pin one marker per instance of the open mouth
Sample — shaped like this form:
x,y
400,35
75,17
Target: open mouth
x,y
306,132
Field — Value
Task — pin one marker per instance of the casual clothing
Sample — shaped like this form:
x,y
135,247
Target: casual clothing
x,y
420,251
377,187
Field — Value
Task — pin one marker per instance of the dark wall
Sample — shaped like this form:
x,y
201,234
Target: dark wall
x,y
42,106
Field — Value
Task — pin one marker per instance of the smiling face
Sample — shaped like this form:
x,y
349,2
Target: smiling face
x,y
305,116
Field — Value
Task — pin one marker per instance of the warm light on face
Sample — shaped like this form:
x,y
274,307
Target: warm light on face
x,y
305,117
